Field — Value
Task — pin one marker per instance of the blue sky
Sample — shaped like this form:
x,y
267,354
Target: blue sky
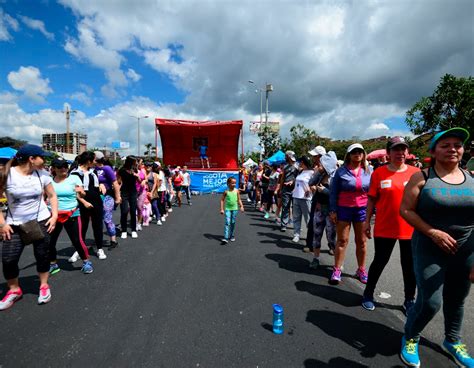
x,y
344,69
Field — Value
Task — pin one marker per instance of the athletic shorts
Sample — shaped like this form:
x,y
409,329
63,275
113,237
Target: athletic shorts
x,y
204,157
351,214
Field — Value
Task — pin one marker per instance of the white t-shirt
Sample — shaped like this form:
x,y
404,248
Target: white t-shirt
x,y
24,195
302,186
162,187
186,179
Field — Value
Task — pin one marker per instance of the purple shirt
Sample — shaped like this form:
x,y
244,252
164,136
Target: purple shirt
x,y
106,176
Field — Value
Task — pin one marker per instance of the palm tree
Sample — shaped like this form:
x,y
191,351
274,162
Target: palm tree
x,y
148,149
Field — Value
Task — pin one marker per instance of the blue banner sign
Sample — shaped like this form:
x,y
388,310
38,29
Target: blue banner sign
x,y
211,181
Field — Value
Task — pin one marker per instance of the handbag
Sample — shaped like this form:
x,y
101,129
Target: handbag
x,y
31,231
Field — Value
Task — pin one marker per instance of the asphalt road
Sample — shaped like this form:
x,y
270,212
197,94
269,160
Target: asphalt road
x,y
176,297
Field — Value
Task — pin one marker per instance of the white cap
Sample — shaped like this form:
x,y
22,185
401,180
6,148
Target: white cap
x,y
354,146
317,151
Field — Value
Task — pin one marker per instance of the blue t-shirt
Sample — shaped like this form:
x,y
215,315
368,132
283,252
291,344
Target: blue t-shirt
x,y
202,150
66,192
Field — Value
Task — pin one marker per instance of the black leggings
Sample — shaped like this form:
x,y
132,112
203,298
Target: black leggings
x,y
73,228
96,214
12,249
129,202
383,251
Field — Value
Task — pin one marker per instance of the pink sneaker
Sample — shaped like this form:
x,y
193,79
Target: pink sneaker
x,y
44,294
336,276
10,298
361,275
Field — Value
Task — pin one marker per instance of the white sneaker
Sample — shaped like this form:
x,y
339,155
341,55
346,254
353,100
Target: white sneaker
x,y
124,235
296,239
74,258
159,223
163,219
101,254
170,210
44,295
139,227
134,235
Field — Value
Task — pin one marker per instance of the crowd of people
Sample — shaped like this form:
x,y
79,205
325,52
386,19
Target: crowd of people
x,y
41,203
429,211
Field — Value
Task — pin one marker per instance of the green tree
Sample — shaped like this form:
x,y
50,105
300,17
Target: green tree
x,y
452,104
149,150
269,140
302,140
11,142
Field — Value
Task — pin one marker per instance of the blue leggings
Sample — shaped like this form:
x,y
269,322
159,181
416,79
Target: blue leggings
x,y
109,204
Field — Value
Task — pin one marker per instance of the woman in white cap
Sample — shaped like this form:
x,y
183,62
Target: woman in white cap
x,y
439,204
347,205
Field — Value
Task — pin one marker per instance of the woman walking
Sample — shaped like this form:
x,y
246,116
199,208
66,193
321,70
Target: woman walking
x,y
439,203
302,197
68,189
128,178
25,182
347,204
385,195
91,206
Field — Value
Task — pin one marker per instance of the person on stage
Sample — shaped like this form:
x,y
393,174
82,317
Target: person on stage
x,y
203,154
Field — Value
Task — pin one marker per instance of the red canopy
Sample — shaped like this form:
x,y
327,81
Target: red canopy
x,y
376,154
181,140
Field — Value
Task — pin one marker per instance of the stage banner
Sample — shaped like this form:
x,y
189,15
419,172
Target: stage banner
x,y
211,181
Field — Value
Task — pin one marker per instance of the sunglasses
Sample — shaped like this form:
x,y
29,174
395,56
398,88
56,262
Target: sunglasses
x,y
356,152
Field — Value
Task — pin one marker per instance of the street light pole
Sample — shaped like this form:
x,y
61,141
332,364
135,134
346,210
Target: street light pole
x,y
138,130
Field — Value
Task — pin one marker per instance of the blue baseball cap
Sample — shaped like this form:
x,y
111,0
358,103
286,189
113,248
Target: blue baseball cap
x,y
461,133
32,150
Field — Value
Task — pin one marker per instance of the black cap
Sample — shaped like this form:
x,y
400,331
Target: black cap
x,y
59,162
31,150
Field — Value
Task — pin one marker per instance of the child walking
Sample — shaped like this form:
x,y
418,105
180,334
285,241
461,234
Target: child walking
x,y
231,202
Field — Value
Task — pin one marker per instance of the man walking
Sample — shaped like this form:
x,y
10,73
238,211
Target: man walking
x,y
286,186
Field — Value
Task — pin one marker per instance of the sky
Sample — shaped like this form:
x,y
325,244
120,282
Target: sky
x,y
342,68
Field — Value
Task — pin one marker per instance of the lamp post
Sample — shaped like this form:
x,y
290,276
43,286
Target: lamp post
x,y
261,99
267,89
138,130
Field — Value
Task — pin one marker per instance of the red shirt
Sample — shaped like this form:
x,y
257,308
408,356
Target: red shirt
x,y
386,188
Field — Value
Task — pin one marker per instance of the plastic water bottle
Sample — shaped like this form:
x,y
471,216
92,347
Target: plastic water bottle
x,y
277,319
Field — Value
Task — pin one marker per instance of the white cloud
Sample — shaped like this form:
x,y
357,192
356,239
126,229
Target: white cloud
x,y
81,97
37,25
28,80
161,61
7,23
133,75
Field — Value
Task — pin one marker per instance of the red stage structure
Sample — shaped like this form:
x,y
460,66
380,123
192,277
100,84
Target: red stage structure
x,y
181,139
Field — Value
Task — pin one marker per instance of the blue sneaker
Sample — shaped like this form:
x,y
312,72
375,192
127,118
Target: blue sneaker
x,y
458,352
87,267
54,268
409,354
368,303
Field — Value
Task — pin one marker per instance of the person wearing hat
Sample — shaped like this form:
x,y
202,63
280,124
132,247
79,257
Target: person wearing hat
x,y
286,186
385,195
25,183
347,205
439,203
68,189
110,190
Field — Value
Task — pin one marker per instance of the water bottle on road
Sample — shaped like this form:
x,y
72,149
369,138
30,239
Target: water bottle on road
x,y
277,319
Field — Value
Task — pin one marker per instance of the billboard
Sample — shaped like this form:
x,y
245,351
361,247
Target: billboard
x,y
116,145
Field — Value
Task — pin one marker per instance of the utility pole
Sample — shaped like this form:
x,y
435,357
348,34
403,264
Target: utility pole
x,y
68,116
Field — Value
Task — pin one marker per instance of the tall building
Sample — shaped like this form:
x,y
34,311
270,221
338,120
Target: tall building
x,y
57,142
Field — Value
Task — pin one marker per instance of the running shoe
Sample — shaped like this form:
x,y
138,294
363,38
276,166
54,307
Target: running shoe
x,y
101,254
267,216
331,251
249,200
139,227
170,210
409,354
458,352
314,264
54,268
296,239
224,241
124,235
190,204
113,245
134,235
10,298
74,258
368,303
232,239
361,275
336,276
159,223
306,250
44,294
87,267
283,229
163,219
407,305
